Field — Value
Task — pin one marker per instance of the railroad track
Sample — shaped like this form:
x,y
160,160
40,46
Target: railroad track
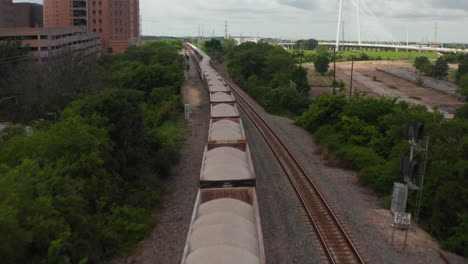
x,y
336,244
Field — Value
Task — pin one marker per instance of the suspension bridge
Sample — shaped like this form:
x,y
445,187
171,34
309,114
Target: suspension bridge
x,y
370,34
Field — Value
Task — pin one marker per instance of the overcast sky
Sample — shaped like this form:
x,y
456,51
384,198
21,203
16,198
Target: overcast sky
x,y
307,18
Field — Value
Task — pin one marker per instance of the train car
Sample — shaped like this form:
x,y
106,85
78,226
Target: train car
x,y
224,110
225,228
221,97
226,131
227,165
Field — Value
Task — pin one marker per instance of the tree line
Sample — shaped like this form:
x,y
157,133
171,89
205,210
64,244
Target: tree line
x,y
81,189
268,73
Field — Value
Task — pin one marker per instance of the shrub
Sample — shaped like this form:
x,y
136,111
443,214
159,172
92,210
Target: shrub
x,y
321,64
358,157
419,62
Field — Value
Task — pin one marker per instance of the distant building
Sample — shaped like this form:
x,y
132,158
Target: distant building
x,y
48,42
117,21
270,40
6,14
27,15
241,40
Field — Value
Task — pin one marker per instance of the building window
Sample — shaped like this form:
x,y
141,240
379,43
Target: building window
x,y
100,21
94,3
109,50
79,4
79,22
94,12
94,30
94,21
100,30
100,12
99,3
79,13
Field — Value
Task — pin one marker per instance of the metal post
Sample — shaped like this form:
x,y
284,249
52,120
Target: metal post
x,y
334,71
339,25
423,172
351,82
358,22
406,238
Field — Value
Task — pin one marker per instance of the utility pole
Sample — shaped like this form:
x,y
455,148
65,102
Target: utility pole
x,y
334,71
351,82
339,25
435,32
358,13
343,31
226,30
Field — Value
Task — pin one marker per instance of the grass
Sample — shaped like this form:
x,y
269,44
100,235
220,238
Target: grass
x,y
385,55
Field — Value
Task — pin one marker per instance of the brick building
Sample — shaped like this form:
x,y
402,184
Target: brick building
x,y
118,21
6,14
27,15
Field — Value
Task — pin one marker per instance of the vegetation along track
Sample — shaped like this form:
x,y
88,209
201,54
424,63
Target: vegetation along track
x,y
336,244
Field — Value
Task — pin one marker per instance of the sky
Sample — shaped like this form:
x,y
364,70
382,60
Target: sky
x,y
414,20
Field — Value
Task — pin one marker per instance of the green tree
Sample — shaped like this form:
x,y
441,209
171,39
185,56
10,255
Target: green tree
x,y
462,69
214,47
321,64
440,70
419,62
463,85
306,44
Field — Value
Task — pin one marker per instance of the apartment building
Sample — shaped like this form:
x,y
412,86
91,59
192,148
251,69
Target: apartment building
x,y
118,21
27,15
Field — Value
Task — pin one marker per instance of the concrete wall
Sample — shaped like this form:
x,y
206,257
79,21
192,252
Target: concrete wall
x,y
28,15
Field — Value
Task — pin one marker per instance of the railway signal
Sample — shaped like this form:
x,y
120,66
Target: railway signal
x,y
413,165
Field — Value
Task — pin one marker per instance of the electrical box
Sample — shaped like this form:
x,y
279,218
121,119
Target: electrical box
x,y
399,198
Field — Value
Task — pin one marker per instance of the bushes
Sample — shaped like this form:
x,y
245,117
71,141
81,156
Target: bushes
x,y
80,190
269,75
368,135
321,64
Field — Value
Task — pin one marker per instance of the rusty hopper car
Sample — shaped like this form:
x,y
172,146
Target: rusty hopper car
x,y
224,110
227,166
229,130
225,228
221,97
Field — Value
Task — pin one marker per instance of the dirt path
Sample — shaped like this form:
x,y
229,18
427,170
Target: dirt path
x,y
376,83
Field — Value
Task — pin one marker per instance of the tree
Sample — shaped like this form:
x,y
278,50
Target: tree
x,y
462,68
321,64
463,85
321,50
440,70
419,62
214,47
306,44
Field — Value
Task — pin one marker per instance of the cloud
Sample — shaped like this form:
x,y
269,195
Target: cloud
x,y
300,4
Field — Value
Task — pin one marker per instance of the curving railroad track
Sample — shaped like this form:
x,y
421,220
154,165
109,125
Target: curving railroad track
x,y
336,245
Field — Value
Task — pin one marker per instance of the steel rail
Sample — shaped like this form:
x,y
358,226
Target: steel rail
x,y
318,211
